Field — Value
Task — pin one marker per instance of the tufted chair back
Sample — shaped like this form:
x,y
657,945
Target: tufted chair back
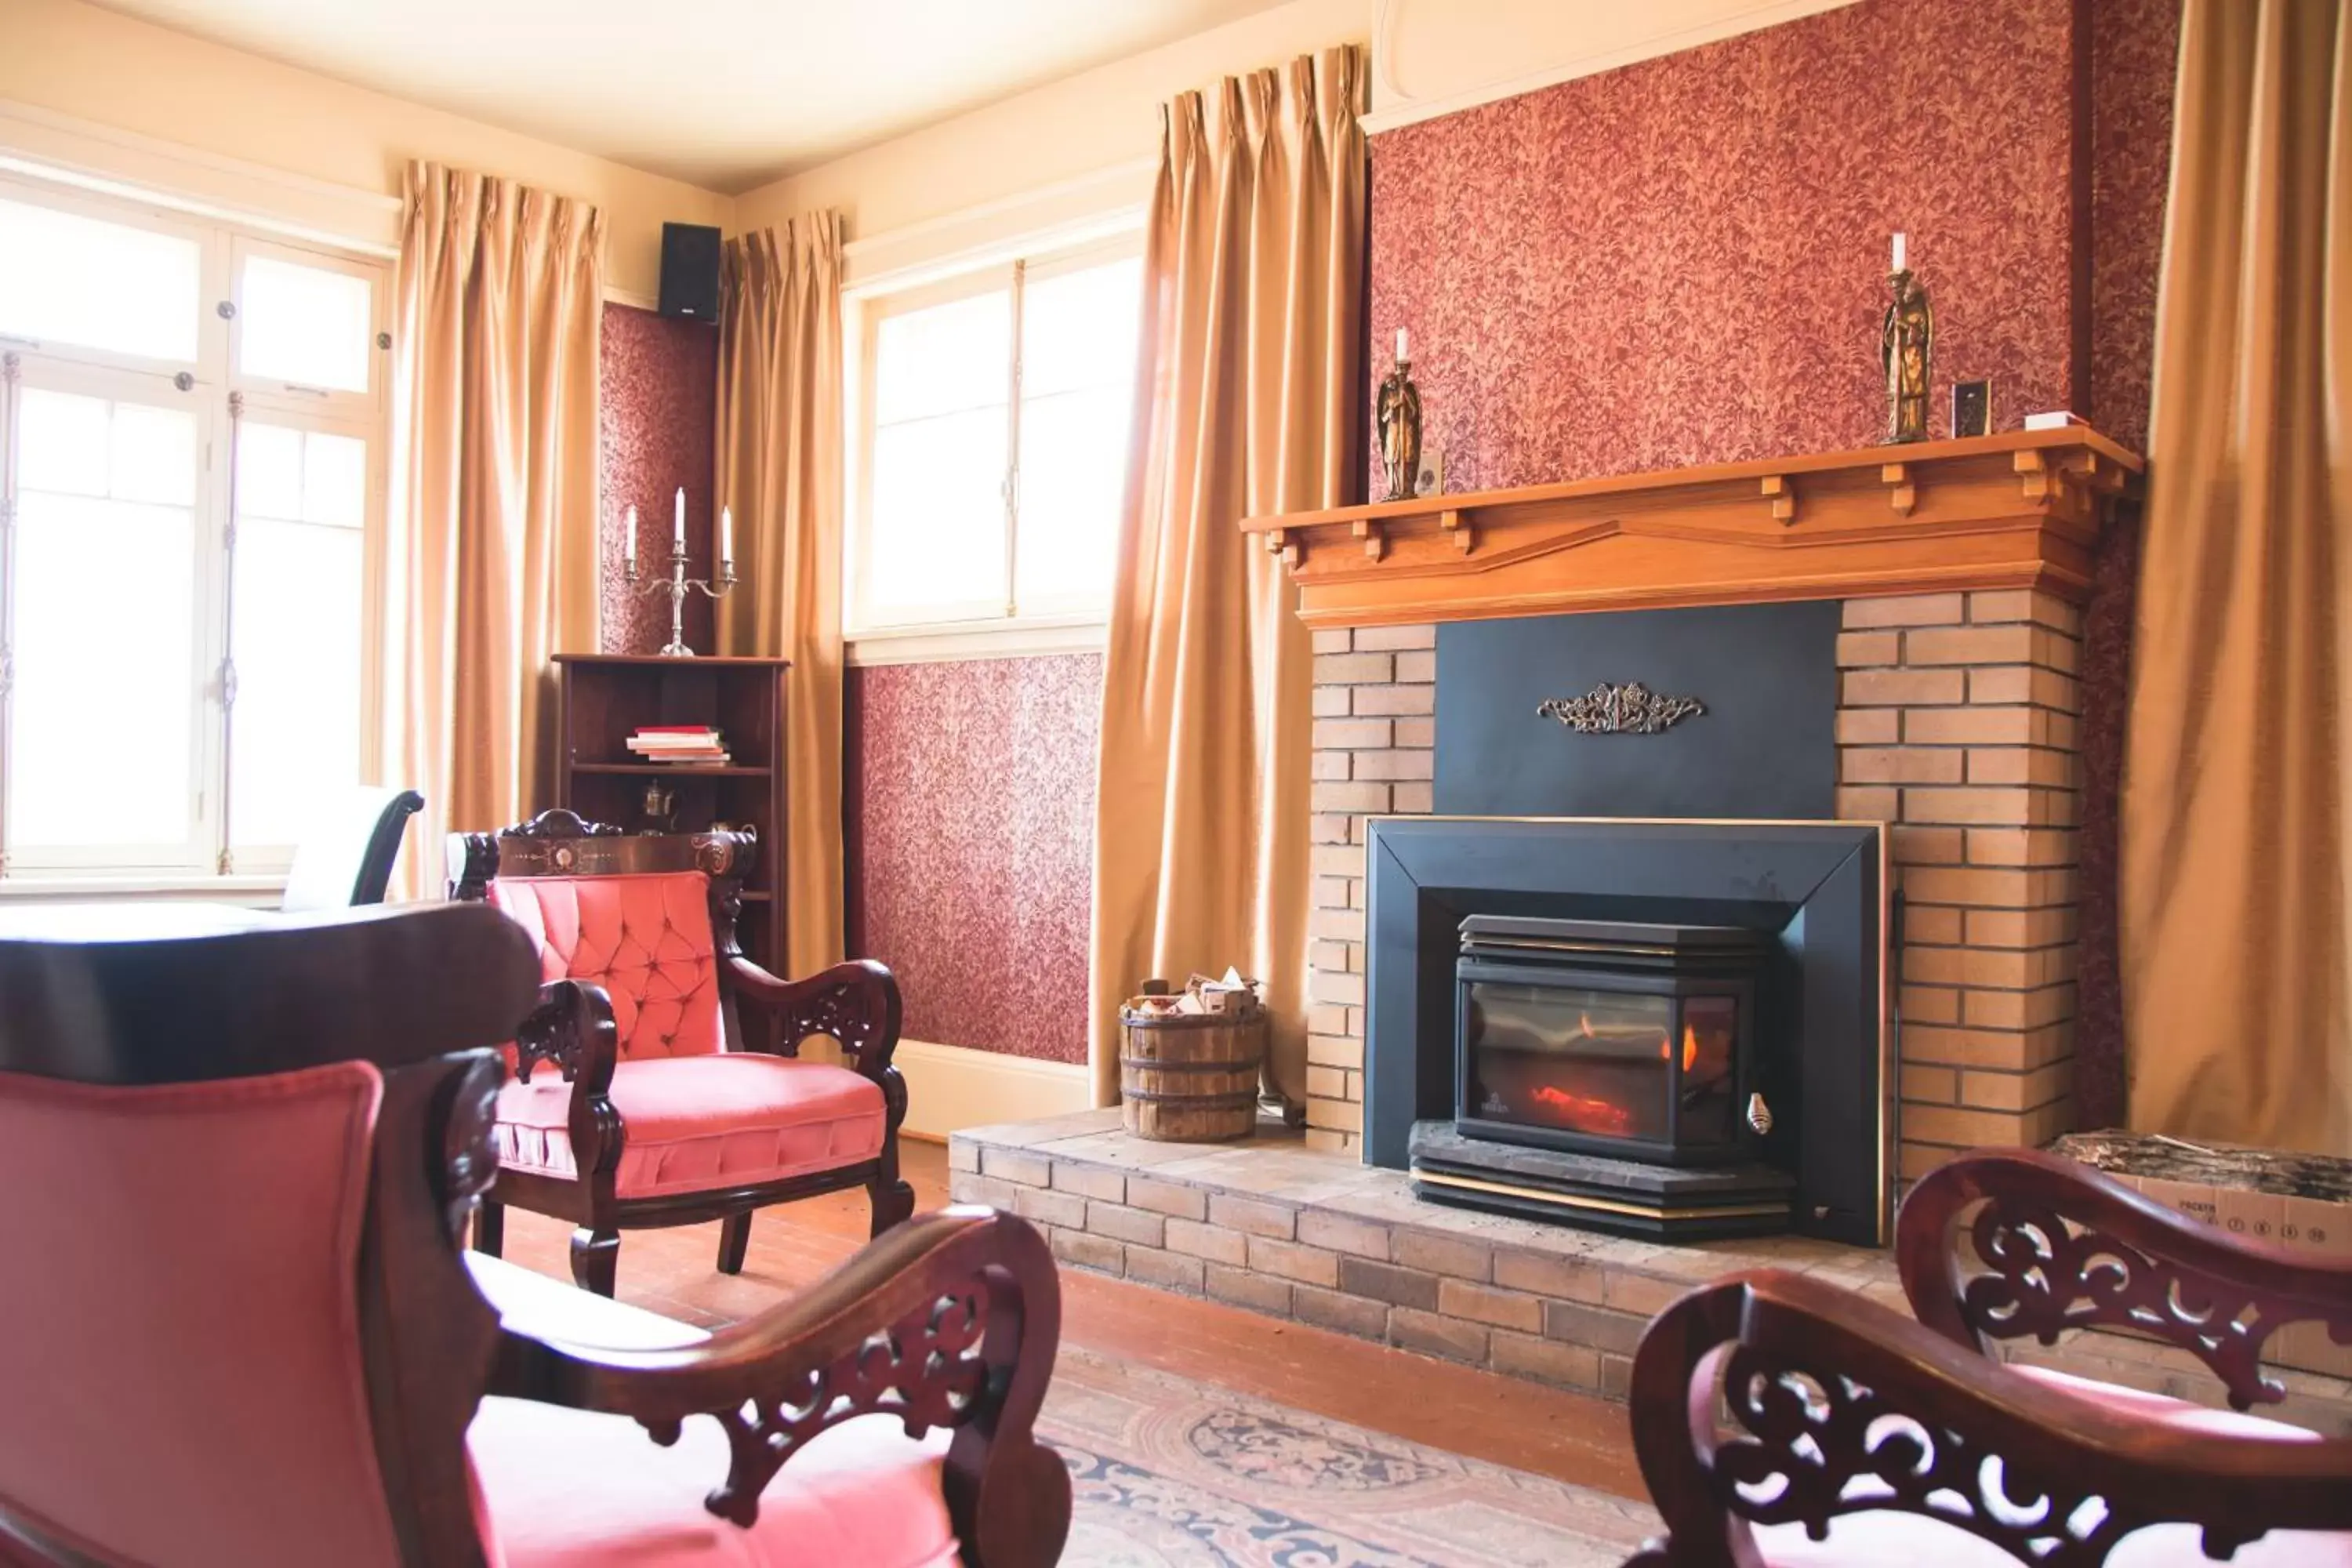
x,y
646,938
646,916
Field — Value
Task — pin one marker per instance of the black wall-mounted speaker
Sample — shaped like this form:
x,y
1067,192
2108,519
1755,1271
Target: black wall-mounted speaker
x,y
689,275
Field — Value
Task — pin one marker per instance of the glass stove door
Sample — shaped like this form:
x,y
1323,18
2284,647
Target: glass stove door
x,y
1598,1063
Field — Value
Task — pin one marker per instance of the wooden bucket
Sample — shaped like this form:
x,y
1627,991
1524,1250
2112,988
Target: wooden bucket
x,y
1190,1077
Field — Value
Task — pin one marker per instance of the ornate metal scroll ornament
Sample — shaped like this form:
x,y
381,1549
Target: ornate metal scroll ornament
x,y
1631,708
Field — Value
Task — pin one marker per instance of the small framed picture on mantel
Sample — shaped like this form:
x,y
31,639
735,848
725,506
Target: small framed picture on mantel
x,y
1971,408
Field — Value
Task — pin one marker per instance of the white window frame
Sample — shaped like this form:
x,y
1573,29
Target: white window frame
x,y
980,628
221,398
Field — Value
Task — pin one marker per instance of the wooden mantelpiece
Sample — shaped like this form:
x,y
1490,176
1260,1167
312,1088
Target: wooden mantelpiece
x,y
2016,510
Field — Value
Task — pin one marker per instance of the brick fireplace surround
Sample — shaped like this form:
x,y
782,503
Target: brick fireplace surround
x,y
1957,725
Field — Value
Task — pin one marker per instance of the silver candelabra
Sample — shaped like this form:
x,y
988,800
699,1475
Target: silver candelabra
x,y
676,584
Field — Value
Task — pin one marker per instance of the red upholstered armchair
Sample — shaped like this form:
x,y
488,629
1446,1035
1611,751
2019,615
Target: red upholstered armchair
x,y
639,1096
1856,1435
279,1357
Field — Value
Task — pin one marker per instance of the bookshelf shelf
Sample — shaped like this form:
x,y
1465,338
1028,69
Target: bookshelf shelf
x,y
666,770
604,700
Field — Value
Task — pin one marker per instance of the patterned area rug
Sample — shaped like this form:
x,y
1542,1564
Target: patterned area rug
x,y
1174,1474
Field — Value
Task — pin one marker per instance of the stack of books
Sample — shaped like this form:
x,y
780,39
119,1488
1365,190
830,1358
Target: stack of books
x,y
682,743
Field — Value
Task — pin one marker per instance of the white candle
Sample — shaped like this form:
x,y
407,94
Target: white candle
x,y
1898,250
678,537
629,539
1402,353
726,539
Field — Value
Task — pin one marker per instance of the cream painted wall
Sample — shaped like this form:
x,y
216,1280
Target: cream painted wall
x,y
1076,135
88,88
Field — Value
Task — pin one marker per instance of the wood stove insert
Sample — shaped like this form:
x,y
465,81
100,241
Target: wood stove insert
x,y
1606,1073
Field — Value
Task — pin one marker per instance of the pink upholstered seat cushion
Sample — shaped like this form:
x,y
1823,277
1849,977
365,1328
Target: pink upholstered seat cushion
x,y
181,1377
564,1488
1873,1539
691,1124
646,940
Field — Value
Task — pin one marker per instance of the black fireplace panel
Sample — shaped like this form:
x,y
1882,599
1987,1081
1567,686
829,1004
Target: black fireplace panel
x,y
1765,746
1815,888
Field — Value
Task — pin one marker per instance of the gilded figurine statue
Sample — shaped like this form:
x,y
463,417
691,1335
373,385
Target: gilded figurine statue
x,y
1399,413
1907,346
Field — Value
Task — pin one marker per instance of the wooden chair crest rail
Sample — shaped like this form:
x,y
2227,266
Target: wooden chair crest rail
x,y
278,1355
676,1095
1857,1436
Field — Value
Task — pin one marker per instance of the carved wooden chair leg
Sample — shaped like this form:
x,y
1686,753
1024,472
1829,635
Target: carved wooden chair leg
x,y
491,1227
734,1236
894,1200
595,1258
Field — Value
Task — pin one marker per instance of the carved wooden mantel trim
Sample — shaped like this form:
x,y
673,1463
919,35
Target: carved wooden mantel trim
x,y
2021,509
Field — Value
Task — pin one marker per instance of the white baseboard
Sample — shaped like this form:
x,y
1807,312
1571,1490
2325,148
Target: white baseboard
x,y
950,1087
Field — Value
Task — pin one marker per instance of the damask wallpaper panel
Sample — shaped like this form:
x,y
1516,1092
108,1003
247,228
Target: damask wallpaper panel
x,y
1685,261
970,801
657,421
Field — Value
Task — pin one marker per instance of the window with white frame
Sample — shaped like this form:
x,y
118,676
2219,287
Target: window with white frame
x,y
992,445
191,499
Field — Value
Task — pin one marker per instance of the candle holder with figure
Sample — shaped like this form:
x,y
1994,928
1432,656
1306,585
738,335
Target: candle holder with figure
x,y
1398,413
1906,347
676,584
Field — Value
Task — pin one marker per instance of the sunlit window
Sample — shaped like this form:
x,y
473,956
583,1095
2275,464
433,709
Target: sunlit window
x,y
190,440
71,282
996,444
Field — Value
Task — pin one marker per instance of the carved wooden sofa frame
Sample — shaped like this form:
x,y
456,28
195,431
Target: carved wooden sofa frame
x,y
1837,1406
572,1029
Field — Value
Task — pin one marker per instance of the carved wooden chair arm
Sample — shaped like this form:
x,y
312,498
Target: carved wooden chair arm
x,y
572,1027
2054,1244
855,1003
949,1320
1836,1406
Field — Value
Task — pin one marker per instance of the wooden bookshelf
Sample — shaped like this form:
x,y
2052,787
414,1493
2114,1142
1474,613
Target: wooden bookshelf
x,y
605,697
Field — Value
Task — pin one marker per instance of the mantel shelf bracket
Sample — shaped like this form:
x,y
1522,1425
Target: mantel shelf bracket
x,y
1783,496
2034,476
1376,542
1452,522
1902,494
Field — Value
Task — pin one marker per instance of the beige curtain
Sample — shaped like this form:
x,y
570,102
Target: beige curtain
x,y
2237,963
780,473
491,564
1248,391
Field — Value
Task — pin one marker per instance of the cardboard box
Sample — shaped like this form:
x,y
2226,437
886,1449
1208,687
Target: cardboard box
x,y
2302,1202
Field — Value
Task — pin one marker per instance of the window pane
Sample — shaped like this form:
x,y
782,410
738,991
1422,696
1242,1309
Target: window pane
x,y
1078,329
1077,369
308,325
943,359
73,281
938,514
295,729
1073,464
101,749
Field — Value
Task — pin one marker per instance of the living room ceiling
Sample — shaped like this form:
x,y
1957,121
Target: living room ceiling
x,y
725,94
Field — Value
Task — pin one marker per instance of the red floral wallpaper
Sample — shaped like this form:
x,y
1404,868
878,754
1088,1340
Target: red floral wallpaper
x,y
656,419
1685,261
971,853
2135,45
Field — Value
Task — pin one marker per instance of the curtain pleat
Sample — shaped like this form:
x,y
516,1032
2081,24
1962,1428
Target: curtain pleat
x,y
2236,864
491,564
779,474
1246,403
